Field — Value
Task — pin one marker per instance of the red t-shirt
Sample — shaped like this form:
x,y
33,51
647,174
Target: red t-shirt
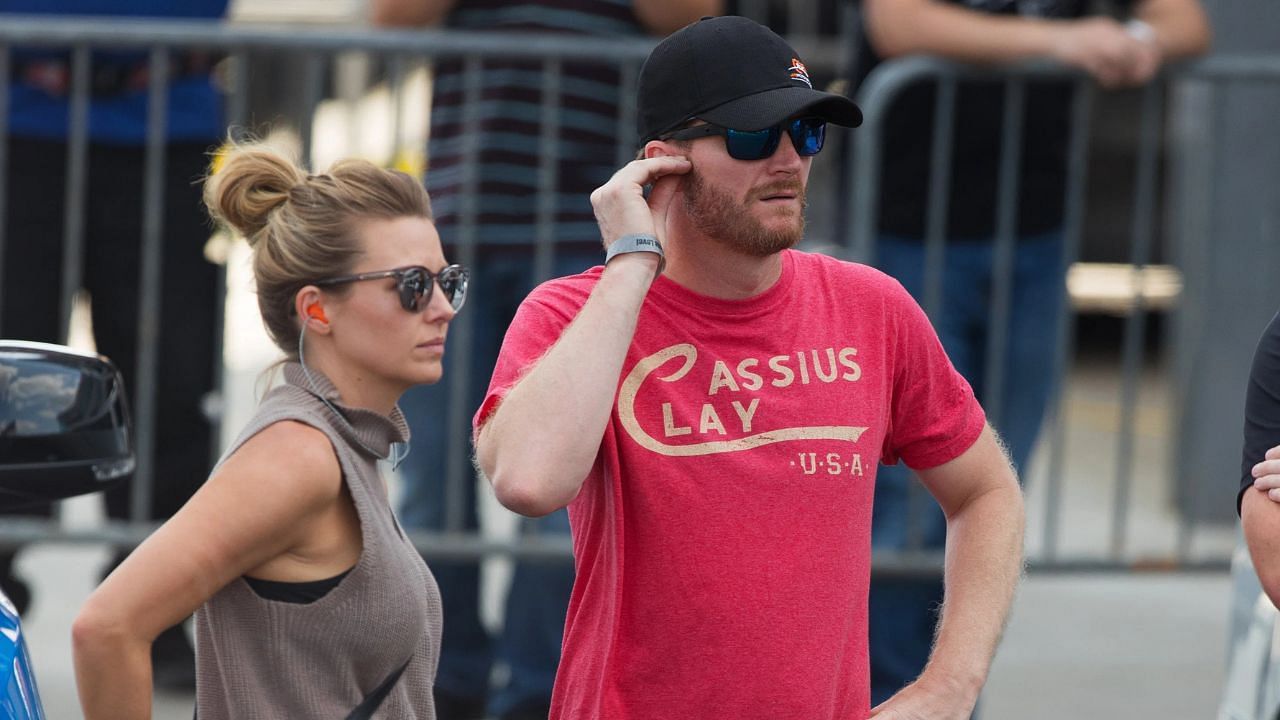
x,y
722,539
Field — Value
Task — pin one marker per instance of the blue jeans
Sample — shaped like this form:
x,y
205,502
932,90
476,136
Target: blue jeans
x,y
529,645
903,612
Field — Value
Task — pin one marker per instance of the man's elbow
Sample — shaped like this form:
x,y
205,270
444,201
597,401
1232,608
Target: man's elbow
x,y
522,489
528,477
526,494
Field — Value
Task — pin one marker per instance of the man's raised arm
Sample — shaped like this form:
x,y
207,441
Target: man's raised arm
x,y
540,442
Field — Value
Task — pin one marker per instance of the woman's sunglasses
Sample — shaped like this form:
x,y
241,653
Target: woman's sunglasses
x,y
807,135
414,284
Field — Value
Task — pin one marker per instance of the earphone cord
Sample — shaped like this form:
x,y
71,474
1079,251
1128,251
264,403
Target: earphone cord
x,y
395,457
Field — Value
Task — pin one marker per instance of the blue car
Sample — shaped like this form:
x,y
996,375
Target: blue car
x,y
21,698
64,431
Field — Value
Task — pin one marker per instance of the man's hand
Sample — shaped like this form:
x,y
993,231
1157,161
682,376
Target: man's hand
x,y
620,206
1266,474
925,699
1103,48
539,445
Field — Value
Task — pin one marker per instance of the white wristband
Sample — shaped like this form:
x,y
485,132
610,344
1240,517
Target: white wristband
x,y
1140,30
637,242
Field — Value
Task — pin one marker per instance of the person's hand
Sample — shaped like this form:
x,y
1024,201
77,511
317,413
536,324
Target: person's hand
x,y
1149,56
925,700
1266,474
1103,48
620,205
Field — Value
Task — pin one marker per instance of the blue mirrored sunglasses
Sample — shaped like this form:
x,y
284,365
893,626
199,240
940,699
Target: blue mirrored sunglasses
x,y
807,136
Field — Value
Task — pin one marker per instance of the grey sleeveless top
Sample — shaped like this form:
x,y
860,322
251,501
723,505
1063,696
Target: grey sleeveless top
x,y
260,658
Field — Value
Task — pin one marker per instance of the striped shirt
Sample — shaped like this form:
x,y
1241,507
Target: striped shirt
x,y
507,126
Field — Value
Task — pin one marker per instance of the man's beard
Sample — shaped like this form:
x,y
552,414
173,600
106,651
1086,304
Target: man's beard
x,y
718,216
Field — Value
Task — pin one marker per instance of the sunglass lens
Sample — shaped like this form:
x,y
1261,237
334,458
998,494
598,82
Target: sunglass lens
x,y
808,134
414,285
751,145
453,282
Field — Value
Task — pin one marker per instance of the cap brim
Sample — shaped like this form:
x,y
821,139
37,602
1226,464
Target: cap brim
x,y
768,108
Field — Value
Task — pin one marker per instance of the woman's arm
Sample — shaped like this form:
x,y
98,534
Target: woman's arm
x,y
259,505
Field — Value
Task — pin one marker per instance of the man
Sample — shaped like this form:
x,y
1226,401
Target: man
x,y
508,193
1116,54
714,426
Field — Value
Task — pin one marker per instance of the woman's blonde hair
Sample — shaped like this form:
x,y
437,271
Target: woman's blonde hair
x,y
303,228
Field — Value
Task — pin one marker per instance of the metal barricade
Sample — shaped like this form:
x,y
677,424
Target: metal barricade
x,y
1113,548
320,49
398,49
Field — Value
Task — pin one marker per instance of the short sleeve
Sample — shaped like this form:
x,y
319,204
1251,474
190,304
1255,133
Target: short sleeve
x,y
538,324
1261,405
933,414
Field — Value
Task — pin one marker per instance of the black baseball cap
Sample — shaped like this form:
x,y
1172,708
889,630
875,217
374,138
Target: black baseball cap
x,y
733,72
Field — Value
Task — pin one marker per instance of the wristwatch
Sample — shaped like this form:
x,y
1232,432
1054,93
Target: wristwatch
x,y
637,242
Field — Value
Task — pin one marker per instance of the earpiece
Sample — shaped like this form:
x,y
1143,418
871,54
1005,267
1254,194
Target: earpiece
x,y
317,312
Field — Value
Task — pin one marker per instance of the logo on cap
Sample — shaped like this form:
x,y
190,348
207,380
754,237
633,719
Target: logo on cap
x,y
800,72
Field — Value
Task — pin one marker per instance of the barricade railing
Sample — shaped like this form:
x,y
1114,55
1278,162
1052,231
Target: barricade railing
x,y
319,50
398,49
1115,551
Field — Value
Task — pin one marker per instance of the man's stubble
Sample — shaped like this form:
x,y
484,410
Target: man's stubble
x,y
719,216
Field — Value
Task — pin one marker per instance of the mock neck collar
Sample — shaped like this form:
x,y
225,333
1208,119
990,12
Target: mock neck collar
x,y
367,429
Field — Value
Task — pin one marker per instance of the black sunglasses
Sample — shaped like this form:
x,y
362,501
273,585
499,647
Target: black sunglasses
x,y
414,284
807,135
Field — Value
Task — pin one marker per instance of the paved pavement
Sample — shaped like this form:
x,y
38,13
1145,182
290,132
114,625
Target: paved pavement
x,y
1112,646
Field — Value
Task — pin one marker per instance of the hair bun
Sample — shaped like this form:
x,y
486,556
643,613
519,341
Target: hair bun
x,y
253,181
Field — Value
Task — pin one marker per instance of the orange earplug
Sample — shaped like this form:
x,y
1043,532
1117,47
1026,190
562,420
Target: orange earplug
x,y
317,312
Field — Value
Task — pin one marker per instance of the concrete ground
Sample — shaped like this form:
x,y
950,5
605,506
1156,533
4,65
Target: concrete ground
x,y
1113,646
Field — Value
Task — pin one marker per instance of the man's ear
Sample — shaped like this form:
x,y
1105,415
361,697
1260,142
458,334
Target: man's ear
x,y
661,148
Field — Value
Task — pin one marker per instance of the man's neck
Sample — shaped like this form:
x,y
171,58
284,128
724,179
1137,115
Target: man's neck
x,y
709,267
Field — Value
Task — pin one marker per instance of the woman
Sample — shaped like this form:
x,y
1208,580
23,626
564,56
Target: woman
x,y
309,599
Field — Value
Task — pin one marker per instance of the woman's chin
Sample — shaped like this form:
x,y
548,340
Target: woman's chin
x,y
428,373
